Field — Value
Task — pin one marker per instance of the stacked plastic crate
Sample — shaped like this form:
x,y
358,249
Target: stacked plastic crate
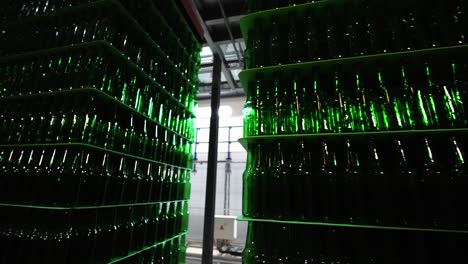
x,y
355,127
96,129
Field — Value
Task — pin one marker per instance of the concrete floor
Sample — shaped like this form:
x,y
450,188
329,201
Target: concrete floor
x,y
194,254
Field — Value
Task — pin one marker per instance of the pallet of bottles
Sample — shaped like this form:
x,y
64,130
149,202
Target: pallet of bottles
x,y
96,126
89,116
401,178
162,21
355,128
310,243
74,66
68,28
421,89
133,233
330,29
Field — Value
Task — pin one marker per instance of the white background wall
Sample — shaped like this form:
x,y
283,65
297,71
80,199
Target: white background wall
x,y
230,115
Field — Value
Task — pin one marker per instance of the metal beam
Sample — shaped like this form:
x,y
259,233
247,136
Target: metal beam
x,y
238,92
210,195
220,21
215,49
229,62
208,69
228,27
224,42
206,87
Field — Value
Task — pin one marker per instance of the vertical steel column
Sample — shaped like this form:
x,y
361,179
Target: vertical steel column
x,y
195,155
210,196
229,145
227,188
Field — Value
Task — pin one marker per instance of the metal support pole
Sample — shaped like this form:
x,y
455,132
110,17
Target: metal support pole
x,y
196,144
227,188
229,144
210,197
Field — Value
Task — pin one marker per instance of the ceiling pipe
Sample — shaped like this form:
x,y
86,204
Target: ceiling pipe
x,y
214,48
228,27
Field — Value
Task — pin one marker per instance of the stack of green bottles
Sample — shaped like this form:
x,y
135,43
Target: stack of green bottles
x,y
343,245
162,22
355,129
94,234
401,179
329,29
96,131
396,91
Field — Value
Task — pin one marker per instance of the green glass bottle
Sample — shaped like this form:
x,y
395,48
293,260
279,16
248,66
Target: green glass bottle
x,y
250,251
329,209
134,182
311,44
258,184
316,120
286,112
435,100
308,114
361,104
28,175
295,47
53,127
293,106
172,214
260,109
247,185
350,45
342,116
408,194
311,184
61,190
378,102
90,180
427,116
457,179
332,33
379,197
351,189
164,224
447,82
167,183
389,117
279,182
405,104
259,46
431,182
49,180
329,104
458,95
38,195
351,103
298,174
187,185
186,215
16,173
299,108
248,111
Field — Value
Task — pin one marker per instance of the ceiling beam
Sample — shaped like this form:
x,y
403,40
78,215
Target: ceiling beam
x,y
220,21
206,87
229,62
224,42
215,48
225,92
227,23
